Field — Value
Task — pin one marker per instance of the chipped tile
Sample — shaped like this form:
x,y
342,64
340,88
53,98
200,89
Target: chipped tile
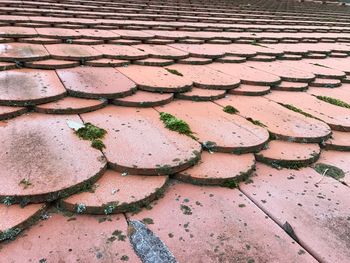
x,y
315,206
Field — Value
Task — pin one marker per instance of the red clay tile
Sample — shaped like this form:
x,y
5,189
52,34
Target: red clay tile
x,y
7,65
315,206
73,52
62,33
11,112
315,56
40,40
124,42
86,41
201,51
231,59
246,74
196,94
291,86
334,63
162,51
91,239
40,86
121,52
17,32
218,169
289,154
195,61
340,141
338,55
191,41
98,34
281,122
39,158
234,227
69,105
156,79
133,34
156,62
336,117
144,99
116,193
284,72
250,90
107,62
164,151
325,83
340,160
290,57
216,129
263,58
96,82
52,64
14,218
156,41
22,52
206,78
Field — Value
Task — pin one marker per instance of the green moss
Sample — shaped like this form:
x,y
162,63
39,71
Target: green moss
x,y
174,71
10,234
295,109
8,200
329,170
94,134
230,184
254,42
230,109
175,124
91,132
98,144
256,122
334,101
110,208
80,208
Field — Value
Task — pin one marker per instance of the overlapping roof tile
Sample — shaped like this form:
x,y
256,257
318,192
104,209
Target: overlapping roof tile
x,y
187,131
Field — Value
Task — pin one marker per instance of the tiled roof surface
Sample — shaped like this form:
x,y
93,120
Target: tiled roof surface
x,y
174,131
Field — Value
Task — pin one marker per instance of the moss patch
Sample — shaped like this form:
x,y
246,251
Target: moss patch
x,y
230,184
174,124
94,134
329,170
334,101
174,71
295,109
230,109
256,122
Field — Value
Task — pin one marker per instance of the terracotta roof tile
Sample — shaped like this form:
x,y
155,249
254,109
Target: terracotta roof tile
x,y
27,87
112,193
164,152
281,122
193,91
306,195
14,52
243,226
89,82
144,99
41,145
239,135
73,52
91,231
156,79
218,169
